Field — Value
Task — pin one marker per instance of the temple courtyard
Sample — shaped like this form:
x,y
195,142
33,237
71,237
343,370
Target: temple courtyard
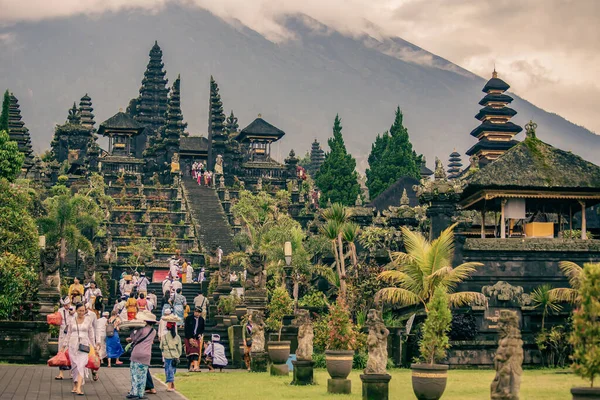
x,y
37,382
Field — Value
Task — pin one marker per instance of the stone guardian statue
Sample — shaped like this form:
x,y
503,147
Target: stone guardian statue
x,y
377,344
305,336
508,359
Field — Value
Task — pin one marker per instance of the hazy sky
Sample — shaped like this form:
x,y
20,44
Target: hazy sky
x,y
548,50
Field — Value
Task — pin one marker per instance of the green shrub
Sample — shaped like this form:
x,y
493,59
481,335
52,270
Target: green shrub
x,y
280,305
585,337
342,332
315,299
435,342
18,282
319,359
359,360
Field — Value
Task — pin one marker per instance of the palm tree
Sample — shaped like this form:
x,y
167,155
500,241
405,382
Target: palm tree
x,y
574,273
350,232
425,266
542,296
68,217
337,217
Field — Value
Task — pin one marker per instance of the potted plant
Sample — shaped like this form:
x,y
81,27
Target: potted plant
x,y
342,341
225,308
281,304
428,378
586,331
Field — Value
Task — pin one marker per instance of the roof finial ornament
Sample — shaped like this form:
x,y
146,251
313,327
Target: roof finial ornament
x,y
259,115
120,109
494,74
530,128
404,200
439,170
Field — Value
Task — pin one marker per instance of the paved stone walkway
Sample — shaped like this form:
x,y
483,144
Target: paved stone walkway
x,y
36,382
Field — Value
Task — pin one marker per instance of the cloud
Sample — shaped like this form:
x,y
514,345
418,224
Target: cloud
x,y
535,44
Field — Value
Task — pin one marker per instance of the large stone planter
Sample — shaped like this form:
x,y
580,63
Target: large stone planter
x,y
241,311
429,380
339,363
339,366
279,352
586,393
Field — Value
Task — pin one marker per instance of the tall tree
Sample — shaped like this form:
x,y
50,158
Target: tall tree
x,y
4,115
392,157
337,178
11,159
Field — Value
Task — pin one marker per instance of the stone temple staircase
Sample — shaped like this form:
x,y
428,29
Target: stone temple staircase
x,y
212,226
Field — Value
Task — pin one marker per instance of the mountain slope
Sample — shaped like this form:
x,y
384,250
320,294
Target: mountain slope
x,y
297,86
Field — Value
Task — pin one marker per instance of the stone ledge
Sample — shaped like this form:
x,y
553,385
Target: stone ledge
x,y
532,244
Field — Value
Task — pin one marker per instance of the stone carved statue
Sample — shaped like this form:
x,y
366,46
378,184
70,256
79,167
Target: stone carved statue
x,y
504,291
377,344
258,332
175,163
219,165
508,359
305,335
255,274
224,274
89,269
49,275
358,201
474,161
227,195
259,185
143,203
221,182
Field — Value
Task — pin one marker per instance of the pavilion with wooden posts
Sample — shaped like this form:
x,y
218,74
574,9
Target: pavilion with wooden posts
x,y
536,188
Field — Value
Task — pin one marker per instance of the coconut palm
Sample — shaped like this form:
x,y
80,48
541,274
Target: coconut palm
x,y
543,297
67,219
426,265
574,273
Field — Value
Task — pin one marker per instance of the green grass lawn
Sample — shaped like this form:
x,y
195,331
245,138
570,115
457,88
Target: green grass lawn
x,y
462,385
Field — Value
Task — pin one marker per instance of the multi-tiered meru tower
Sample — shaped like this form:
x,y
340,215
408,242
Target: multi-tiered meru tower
x,y
496,132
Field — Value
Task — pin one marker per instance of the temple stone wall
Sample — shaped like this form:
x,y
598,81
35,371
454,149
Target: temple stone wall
x,y
24,342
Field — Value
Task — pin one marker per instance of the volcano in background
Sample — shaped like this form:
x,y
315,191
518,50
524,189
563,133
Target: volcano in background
x,y
298,85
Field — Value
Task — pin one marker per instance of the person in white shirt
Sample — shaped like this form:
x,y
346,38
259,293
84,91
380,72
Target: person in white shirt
x,y
142,284
233,277
219,254
166,285
201,302
67,313
177,284
202,275
101,335
189,274
152,297
215,354
173,268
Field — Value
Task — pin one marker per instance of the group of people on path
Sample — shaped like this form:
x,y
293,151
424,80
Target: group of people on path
x,y
201,174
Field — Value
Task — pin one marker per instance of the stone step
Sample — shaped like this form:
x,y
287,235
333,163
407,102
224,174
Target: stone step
x,y
209,217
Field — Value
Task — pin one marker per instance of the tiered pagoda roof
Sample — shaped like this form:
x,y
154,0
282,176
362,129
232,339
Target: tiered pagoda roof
x,y
496,132
86,112
152,102
536,170
261,130
454,165
120,122
317,156
174,126
18,132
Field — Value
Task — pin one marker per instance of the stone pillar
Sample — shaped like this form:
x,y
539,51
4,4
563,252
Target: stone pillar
x,y
303,372
441,196
375,386
583,221
258,361
502,220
